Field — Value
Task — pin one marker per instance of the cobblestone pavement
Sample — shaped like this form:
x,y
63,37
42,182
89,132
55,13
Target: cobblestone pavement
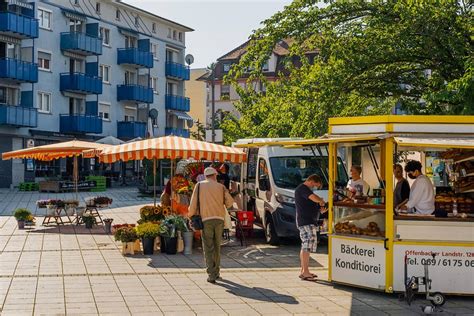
x,y
70,270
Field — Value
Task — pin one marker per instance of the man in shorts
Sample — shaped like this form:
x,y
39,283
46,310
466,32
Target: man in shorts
x,y
308,208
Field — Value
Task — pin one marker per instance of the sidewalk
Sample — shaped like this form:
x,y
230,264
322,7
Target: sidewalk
x,y
74,271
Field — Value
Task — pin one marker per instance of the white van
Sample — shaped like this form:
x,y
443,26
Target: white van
x,y
269,179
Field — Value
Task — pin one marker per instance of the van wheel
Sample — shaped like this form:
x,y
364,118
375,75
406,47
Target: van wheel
x,y
270,232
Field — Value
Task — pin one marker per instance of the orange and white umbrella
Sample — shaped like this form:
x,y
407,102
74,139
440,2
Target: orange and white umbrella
x,y
170,147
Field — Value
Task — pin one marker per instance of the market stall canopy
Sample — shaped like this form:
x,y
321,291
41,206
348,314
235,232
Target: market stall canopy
x,y
110,140
53,151
323,140
436,142
171,147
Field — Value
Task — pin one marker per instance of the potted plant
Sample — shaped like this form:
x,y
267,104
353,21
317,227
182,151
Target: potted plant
x,y
127,235
22,215
102,201
88,220
148,231
42,203
168,230
150,213
70,206
108,225
188,236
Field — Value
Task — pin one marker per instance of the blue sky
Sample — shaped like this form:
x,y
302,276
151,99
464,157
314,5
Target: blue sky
x,y
220,25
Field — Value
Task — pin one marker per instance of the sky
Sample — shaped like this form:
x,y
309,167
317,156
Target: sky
x,y
220,25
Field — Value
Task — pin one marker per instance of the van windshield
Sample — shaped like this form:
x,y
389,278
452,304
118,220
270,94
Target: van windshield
x,y
289,172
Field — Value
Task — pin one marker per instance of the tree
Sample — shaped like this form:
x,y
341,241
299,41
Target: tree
x,y
200,133
372,57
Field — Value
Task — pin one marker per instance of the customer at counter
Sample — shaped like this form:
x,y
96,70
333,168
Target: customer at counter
x,y
356,185
422,194
401,192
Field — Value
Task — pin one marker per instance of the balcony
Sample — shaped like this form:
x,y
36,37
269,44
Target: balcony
x,y
17,25
80,124
18,116
135,93
81,43
177,132
80,83
176,102
17,70
177,71
134,57
130,130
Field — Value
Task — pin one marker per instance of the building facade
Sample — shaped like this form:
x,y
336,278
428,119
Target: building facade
x,y
85,70
196,91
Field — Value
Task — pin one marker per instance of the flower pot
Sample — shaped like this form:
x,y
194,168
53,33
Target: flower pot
x,y
70,211
171,244
51,210
108,226
180,243
128,248
148,244
136,246
89,225
188,242
162,244
21,224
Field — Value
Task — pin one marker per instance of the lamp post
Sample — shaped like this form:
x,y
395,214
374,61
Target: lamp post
x,y
211,68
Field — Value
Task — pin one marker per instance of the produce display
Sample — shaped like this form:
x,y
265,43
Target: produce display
x,y
372,229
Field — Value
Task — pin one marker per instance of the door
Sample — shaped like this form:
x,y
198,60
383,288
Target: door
x,y
75,25
129,78
263,191
75,65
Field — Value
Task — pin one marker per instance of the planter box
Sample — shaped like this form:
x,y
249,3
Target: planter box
x,y
128,248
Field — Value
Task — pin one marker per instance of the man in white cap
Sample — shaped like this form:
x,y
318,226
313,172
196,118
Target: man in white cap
x,y
214,199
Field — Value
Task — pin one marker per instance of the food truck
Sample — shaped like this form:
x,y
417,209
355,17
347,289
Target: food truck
x,y
373,245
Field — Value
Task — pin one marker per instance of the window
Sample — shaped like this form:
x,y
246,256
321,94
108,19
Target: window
x,y
154,84
104,111
154,50
75,25
130,41
9,96
180,36
97,7
44,102
226,67
171,88
169,32
225,92
105,35
130,114
44,61
117,14
76,106
76,2
104,73
153,27
129,78
265,66
174,34
44,18
137,20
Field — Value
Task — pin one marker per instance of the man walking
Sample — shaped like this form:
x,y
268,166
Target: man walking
x,y
213,198
308,208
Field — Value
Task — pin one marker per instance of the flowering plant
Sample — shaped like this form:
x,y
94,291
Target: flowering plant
x,y
181,185
22,214
73,203
118,226
148,230
125,233
151,213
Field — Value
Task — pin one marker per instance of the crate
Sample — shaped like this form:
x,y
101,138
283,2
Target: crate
x,y
244,223
28,186
100,183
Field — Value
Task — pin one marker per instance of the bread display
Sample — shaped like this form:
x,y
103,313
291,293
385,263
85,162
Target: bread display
x,y
372,229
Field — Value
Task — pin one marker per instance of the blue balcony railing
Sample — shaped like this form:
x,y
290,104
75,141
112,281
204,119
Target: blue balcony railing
x,y
137,93
18,25
134,56
177,132
178,71
18,70
80,124
130,130
80,83
81,43
176,102
18,116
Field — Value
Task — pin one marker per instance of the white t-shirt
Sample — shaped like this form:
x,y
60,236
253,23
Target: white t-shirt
x,y
359,186
422,196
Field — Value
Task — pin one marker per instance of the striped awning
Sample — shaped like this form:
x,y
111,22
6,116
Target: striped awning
x,y
171,147
21,4
75,15
53,151
181,115
9,39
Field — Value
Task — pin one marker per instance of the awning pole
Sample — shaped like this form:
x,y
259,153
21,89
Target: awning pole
x,y
154,181
76,175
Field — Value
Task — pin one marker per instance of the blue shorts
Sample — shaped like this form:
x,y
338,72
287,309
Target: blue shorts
x,y
309,238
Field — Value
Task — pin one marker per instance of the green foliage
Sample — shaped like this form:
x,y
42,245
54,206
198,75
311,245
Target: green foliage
x,y
22,214
200,134
372,56
148,230
172,224
125,234
88,219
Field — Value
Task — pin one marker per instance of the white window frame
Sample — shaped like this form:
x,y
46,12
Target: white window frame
x,y
40,95
102,67
40,65
50,27
103,31
154,84
153,27
174,35
118,14
101,114
154,50
180,36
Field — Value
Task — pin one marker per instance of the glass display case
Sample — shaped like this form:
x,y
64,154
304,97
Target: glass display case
x,y
361,220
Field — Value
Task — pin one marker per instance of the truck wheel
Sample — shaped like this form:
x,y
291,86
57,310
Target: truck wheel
x,y
438,299
270,232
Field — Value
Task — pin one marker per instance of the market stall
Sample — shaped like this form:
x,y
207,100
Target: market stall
x,y
369,240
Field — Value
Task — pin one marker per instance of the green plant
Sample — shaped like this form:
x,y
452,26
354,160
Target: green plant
x,y
88,219
125,234
22,214
150,213
148,230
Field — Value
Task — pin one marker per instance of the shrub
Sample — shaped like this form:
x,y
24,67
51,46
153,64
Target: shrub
x,y
22,214
125,233
87,219
148,230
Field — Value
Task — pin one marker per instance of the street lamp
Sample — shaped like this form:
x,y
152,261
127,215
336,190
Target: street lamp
x,y
211,69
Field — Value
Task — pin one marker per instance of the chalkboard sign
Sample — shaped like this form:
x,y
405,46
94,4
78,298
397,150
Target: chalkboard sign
x,y
69,185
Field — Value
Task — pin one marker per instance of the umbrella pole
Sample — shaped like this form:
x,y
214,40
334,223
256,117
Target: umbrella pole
x,y
172,191
76,174
154,181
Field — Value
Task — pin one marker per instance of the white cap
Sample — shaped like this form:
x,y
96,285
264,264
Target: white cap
x,y
209,171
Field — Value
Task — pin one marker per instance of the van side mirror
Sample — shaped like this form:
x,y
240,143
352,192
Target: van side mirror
x,y
264,183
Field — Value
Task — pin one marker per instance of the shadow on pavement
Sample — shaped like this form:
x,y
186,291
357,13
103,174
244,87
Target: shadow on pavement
x,y
256,293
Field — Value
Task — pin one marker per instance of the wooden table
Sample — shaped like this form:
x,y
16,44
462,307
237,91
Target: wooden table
x,y
57,217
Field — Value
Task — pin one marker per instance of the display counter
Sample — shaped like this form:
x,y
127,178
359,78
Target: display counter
x,y
361,220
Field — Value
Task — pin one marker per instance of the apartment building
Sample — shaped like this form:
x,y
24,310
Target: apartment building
x,y
86,69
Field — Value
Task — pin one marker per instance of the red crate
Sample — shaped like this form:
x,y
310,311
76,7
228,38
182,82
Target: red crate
x,y
244,223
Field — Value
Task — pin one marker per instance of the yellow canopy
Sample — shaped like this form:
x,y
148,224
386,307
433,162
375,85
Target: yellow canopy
x,y
324,140
436,142
53,151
